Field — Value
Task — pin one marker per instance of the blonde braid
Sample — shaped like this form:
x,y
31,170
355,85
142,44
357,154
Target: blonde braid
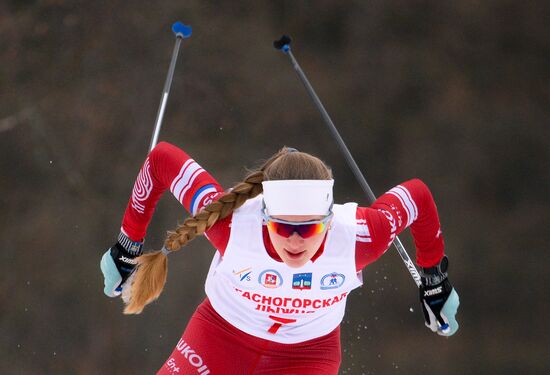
x,y
150,276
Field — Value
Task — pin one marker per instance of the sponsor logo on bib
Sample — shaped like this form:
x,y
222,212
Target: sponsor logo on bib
x,y
244,274
270,279
332,281
301,281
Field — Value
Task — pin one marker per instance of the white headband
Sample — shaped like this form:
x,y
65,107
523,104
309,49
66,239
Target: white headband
x,y
298,197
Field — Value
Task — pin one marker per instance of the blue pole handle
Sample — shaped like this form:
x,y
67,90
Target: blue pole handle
x,y
181,30
283,43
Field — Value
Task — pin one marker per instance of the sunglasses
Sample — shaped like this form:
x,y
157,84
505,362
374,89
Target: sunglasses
x,y
305,229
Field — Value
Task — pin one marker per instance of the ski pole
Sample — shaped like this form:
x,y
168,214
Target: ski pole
x,y
181,31
283,44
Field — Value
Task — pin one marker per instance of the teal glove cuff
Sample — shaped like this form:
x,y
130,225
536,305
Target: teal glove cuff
x,y
448,312
112,277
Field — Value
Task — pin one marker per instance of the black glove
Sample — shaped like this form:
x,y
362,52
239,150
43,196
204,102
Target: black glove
x,y
439,299
118,263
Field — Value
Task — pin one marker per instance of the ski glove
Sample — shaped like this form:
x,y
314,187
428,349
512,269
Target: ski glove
x,y
439,299
118,263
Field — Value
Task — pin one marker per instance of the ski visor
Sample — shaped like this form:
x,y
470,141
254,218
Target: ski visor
x,y
297,197
305,229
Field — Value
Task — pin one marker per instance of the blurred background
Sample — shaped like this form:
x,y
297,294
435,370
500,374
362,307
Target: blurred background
x,y
455,93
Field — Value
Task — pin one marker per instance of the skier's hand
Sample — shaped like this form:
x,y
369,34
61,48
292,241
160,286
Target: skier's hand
x,y
118,263
439,300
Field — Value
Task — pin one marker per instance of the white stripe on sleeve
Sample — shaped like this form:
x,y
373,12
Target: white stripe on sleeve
x,y
363,233
184,180
406,200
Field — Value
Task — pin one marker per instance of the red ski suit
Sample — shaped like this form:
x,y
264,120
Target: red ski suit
x,y
210,345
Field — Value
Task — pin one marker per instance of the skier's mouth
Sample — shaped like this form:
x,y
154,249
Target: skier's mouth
x,y
294,255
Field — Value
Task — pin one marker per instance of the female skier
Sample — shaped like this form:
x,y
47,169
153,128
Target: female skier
x,y
287,258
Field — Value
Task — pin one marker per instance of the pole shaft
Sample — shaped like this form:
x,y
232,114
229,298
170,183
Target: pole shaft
x,y
351,162
165,92
341,144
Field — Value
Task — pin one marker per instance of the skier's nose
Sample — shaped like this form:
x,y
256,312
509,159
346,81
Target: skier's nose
x,y
295,240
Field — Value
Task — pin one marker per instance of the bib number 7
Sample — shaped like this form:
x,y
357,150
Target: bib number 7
x,y
278,323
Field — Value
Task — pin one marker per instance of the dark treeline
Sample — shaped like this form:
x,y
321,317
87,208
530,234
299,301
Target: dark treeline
x,y
456,93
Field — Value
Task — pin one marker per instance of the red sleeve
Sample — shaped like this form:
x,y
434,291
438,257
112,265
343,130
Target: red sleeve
x,y
168,167
409,204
